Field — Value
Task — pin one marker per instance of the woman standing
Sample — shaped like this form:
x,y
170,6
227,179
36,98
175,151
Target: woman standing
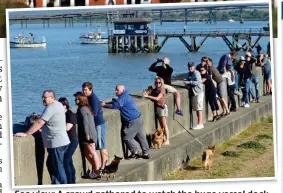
x,y
86,126
158,96
71,122
210,91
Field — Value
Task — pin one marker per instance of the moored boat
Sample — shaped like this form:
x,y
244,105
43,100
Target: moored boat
x,y
21,41
93,38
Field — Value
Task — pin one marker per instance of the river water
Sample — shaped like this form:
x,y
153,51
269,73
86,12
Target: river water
x,y
64,67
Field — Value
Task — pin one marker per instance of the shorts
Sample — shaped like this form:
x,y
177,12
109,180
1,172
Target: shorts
x,y
162,112
197,102
170,89
267,76
220,89
101,136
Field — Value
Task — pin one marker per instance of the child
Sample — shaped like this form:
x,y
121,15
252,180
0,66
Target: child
x,y
229,74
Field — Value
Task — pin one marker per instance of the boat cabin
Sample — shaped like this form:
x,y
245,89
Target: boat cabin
x,y
131,26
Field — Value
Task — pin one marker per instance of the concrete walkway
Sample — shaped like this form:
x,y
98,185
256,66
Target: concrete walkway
x,y
184,146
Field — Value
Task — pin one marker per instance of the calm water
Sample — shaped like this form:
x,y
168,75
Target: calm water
x,y
63,67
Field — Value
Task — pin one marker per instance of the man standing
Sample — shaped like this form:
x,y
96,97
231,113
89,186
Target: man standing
x,y
132,123
254,81
226,59
55,138
165,71
194,84
99,121
220,86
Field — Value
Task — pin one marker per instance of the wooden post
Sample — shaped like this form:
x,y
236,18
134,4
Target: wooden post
x,y
117,44
193,43
129,44
123,44
110,44
136,44
142,43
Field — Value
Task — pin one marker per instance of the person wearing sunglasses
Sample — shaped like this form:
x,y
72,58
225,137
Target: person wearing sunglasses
x,y
165,72
158,96
210,91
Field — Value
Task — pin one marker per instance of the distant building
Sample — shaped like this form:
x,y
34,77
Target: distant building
x,y
71,3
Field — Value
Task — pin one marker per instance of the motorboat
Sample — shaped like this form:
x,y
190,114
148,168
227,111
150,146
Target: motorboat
x,y
93,38
21,41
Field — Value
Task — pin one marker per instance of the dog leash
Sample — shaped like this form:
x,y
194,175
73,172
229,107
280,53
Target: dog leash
x,y
190,118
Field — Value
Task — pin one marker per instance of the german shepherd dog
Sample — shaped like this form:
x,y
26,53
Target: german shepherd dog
x,y
207,158
157,138
112,168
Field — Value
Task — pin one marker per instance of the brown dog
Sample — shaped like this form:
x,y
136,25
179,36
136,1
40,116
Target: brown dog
x,y
157,138
149,90
207,157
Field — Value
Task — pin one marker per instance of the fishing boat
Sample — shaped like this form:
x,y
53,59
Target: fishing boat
x,y
21,41
230,20
93,38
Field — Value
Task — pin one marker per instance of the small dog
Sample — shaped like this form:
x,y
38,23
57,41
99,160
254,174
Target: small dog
x,y
149,90
31,119
207,157
157,138
112,168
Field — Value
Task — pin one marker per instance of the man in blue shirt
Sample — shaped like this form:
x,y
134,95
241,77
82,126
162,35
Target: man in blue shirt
x,y
132,123
99,121
224,60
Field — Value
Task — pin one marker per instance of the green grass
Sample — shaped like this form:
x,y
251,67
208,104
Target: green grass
x,y
231,161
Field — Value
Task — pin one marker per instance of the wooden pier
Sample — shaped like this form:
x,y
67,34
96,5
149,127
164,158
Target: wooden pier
x,y
149,42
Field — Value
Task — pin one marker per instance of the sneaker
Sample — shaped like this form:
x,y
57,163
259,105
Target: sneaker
x,y
227,114
252,101
237,93
243,104
198,127
94,176
246,105
179,112
133,156
257,101
144,156
233,110
218,117
214,119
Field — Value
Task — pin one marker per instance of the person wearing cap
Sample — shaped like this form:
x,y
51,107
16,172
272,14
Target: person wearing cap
x,y
52,123
99,121
194,83
229,74
256,71
132,123
245,80
71,122
220,85
165,72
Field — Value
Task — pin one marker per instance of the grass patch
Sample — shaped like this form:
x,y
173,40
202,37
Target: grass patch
x,y
230,153
230,161
260,137
252,145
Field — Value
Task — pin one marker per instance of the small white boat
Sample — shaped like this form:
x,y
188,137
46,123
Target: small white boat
x,y
93,38
230,20
21,41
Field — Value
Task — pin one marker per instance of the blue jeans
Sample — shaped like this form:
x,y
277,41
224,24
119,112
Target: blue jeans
x,y
255,82
236,82
55,164
246,90
68,162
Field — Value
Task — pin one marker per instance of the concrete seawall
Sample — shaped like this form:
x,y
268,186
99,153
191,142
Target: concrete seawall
x,y
164,160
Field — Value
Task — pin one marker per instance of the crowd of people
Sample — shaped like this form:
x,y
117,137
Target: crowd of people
x,y
62,130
